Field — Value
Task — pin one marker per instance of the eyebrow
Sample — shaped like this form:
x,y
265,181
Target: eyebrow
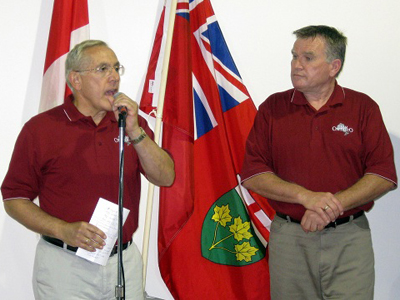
x,y
309,53
312,53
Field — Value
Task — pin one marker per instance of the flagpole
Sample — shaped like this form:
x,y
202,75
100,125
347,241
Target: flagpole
x,y
157,132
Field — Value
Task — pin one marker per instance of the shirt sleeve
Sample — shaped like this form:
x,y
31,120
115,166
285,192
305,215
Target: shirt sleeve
x,y
23,177
257,157
378,156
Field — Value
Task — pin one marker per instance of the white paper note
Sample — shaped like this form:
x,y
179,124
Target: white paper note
x,y
105,217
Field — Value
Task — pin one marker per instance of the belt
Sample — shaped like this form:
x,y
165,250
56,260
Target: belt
x,y
331,224
61,244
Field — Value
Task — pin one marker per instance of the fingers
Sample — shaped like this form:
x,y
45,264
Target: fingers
x,y
332,208
123,100
93,238
84,235
92,244
132,108
312,222
326,205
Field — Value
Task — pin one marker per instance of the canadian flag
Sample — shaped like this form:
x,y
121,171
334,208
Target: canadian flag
x,y
69,26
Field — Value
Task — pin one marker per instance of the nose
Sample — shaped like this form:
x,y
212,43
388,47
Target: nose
x,y
114,75
113,71
296,64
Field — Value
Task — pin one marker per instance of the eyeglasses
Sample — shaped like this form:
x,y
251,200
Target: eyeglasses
x,y
104,71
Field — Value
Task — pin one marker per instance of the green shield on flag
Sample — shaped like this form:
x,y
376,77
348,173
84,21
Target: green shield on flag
x,y
227,235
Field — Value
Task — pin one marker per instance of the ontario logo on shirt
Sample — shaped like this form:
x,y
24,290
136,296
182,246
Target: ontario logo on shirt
x,y
343,128
126,140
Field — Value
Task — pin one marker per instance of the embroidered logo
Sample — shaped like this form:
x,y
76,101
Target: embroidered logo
x,y
343,128
126,140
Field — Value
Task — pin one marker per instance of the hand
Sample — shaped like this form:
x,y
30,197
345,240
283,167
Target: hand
x,y
326,205
132,122
83,235
312,222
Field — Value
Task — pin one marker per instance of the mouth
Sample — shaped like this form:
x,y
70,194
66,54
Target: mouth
x,y
297,76
111,93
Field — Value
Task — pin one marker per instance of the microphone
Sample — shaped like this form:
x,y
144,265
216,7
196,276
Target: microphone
x,y
122,109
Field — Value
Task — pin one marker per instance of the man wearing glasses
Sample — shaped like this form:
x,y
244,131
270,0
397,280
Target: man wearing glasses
x,y
69,158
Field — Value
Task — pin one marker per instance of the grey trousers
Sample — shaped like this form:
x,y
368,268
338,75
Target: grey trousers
x,y
60,274
336,263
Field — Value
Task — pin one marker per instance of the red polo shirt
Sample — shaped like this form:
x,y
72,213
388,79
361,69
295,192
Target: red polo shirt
x,y
324,151
62,157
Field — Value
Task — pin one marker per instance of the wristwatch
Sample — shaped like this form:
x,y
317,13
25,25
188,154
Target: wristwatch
x,y
140,137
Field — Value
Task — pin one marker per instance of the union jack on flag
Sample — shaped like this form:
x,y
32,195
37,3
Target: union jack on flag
x,y
232,91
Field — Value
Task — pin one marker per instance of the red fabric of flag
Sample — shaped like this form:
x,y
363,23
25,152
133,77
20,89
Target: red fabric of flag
x,y
69,26
208,244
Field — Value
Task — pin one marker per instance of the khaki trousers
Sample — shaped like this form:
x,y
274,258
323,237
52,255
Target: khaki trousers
x,y
336,263
60,274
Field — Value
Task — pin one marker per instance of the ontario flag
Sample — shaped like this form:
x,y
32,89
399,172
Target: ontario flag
x,y
69,26
212,233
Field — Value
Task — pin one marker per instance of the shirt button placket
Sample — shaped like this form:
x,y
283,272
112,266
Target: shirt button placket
x,y
316,136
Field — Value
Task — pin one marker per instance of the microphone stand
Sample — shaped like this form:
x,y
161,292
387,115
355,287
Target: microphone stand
x,y
120,287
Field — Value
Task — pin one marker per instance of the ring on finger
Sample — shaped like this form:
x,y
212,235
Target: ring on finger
x,y
326,208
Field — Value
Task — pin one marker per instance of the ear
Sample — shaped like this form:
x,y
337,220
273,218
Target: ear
x,y
75,79
336,65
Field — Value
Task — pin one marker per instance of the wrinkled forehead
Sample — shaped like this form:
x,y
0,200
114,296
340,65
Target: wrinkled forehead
x,y
311,44
99,55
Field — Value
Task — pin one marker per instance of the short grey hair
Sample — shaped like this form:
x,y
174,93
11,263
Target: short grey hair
x,y
335,41
76,57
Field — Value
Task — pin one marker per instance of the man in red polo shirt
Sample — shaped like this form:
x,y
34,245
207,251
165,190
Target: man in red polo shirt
x,y
321,154
69,158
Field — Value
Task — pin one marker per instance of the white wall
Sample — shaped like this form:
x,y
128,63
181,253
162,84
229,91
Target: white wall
x,y
258,33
